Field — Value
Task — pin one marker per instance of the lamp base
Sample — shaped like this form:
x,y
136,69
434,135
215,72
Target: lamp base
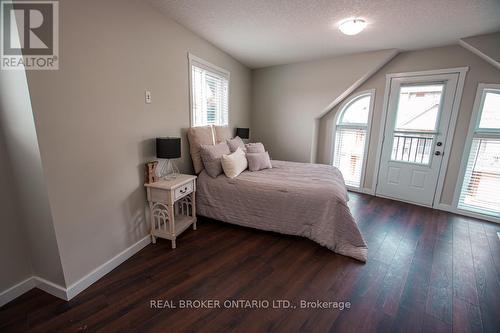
x,y
167,170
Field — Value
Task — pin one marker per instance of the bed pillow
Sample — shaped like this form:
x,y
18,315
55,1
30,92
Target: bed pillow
x,y
211,157
198,136
236,143
255,147
258,161
234,164
222,133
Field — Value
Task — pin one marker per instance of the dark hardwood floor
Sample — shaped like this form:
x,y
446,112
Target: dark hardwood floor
x,y
428,271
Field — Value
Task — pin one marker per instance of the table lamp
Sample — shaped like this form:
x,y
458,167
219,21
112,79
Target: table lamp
x,y
243,133
166,150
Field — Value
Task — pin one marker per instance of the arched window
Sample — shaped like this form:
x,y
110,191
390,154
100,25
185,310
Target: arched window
x,y
351,137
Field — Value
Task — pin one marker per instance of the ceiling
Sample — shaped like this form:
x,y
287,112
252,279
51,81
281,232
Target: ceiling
x,y
262,33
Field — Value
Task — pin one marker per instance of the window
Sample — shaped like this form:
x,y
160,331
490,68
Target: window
x,y
209,93
351,133
480,190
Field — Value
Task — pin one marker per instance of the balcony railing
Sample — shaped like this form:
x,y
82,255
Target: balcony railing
x,y
412,148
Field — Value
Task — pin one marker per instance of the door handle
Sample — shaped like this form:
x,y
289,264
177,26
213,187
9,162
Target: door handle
x,y
439,144
437,153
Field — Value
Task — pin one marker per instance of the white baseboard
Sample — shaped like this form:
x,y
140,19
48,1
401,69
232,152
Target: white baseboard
x,y
17,290
77,287
445,207
451,209
105,268
50,287
368,191
440,206
364,190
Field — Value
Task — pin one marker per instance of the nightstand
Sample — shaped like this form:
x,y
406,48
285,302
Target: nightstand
x,y
172,207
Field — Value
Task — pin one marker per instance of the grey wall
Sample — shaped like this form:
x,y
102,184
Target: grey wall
x,y
14,254
488,44
287,99
94,129
435,58
28,184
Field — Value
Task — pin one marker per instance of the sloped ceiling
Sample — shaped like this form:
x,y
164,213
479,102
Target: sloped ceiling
x,y
485,46
262,33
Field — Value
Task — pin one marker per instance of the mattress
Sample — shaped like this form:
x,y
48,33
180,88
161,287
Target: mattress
x,y
301,199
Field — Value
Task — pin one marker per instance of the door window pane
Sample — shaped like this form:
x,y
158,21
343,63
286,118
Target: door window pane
x,y
418,107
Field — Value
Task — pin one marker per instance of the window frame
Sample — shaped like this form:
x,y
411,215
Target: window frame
x,y
199,62
474,132
343,107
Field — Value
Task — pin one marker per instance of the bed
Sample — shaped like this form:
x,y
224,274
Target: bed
x,y
301,199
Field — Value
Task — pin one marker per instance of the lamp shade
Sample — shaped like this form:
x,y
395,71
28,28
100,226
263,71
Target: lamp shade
x,y
243,133
168,148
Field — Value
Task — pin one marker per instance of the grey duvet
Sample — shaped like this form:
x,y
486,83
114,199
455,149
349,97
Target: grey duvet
x,y
308,200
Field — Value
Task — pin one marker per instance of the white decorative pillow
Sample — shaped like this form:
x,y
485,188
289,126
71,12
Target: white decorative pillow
x,y
234,164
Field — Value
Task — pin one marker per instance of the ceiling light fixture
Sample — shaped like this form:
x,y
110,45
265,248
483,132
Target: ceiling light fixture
x,y
352,26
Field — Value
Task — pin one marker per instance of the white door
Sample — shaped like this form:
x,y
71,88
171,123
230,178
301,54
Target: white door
x,y
418,116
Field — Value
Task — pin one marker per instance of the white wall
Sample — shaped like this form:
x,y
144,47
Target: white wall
x,y
287,99
94,129
436,58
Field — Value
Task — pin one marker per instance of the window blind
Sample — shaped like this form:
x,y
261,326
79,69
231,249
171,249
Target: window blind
x,y
350,138
480,190
481,187
209,90
349,154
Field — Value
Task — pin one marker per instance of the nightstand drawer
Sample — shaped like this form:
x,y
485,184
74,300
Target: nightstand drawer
x,y
183,190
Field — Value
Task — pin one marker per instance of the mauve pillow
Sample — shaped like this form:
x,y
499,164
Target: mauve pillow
x,y
197,137
255,147
211,155
236,143
222,133
258,161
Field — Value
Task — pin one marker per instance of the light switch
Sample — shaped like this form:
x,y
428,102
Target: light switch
x,y
147,96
